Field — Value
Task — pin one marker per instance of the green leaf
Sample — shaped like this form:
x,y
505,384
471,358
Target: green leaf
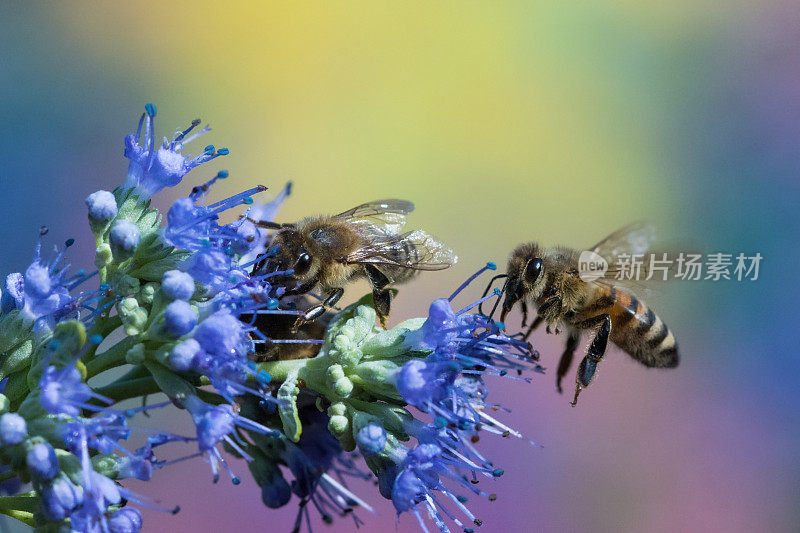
x,y
154,270
170,383
28,503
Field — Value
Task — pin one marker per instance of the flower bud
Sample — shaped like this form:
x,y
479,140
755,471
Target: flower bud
x,y
13,429
42,461
179,318
102,206
135,356
177,285
126,520
60,498
371,439
124,236
103,256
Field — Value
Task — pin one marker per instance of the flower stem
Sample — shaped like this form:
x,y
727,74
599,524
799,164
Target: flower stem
x,y
278,370
132,388
110,358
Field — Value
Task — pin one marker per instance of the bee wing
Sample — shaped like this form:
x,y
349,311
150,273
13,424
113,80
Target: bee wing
x,y
387,215
633,239
620,247
416,250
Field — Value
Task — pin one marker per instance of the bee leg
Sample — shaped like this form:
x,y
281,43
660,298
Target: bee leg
x,y
318,310
595,353
566,358
382,300
535,324
301,289
552,306
268,224
381,297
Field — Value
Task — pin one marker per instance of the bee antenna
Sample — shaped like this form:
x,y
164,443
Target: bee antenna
x,y
499,297
489,286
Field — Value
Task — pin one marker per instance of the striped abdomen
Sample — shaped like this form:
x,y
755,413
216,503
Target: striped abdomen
x,y
637,329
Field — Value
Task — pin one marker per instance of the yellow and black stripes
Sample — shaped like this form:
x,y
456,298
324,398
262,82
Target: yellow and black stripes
x,y
636,328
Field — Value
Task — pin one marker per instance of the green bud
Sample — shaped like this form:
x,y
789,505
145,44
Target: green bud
x,y
135,355
125,285
336,380
103,256
134,318
389,344
147,293
5,404
287,395
340,427
106,464
377,377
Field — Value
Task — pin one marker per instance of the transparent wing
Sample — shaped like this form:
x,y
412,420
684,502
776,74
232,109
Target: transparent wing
x,y
387,216
630,266
633,239
416,250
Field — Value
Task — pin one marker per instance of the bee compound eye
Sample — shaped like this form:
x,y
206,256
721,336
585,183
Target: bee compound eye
x,y
533,270
303,263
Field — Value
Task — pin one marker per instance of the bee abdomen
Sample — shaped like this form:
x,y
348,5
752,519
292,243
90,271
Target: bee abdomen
x,y
642,333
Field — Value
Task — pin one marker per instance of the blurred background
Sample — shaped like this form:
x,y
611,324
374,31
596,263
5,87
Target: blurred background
x,y
506,122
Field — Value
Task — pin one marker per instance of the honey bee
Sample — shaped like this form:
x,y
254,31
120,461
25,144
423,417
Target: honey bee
x,y
549,278
363,242
280,340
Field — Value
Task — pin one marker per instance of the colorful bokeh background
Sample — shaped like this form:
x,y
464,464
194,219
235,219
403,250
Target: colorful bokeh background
x,y
504,122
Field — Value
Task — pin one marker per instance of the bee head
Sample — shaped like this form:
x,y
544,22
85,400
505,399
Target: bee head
x,y
288,252
525,267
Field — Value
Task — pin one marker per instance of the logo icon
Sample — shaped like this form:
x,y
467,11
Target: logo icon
x,y
591,266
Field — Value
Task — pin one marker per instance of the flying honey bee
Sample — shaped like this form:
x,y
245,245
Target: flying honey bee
x,y
363,242
550,279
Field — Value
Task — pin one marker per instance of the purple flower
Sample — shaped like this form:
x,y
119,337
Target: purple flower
x,y
188,225
98,493
13,429
62,391
177,285
253,239
42,461
214,268
421,480
102,206
223,334
179,318
184,355
40,292
216,423
421,382
152,168
126,520
60,498
100,433
371,439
